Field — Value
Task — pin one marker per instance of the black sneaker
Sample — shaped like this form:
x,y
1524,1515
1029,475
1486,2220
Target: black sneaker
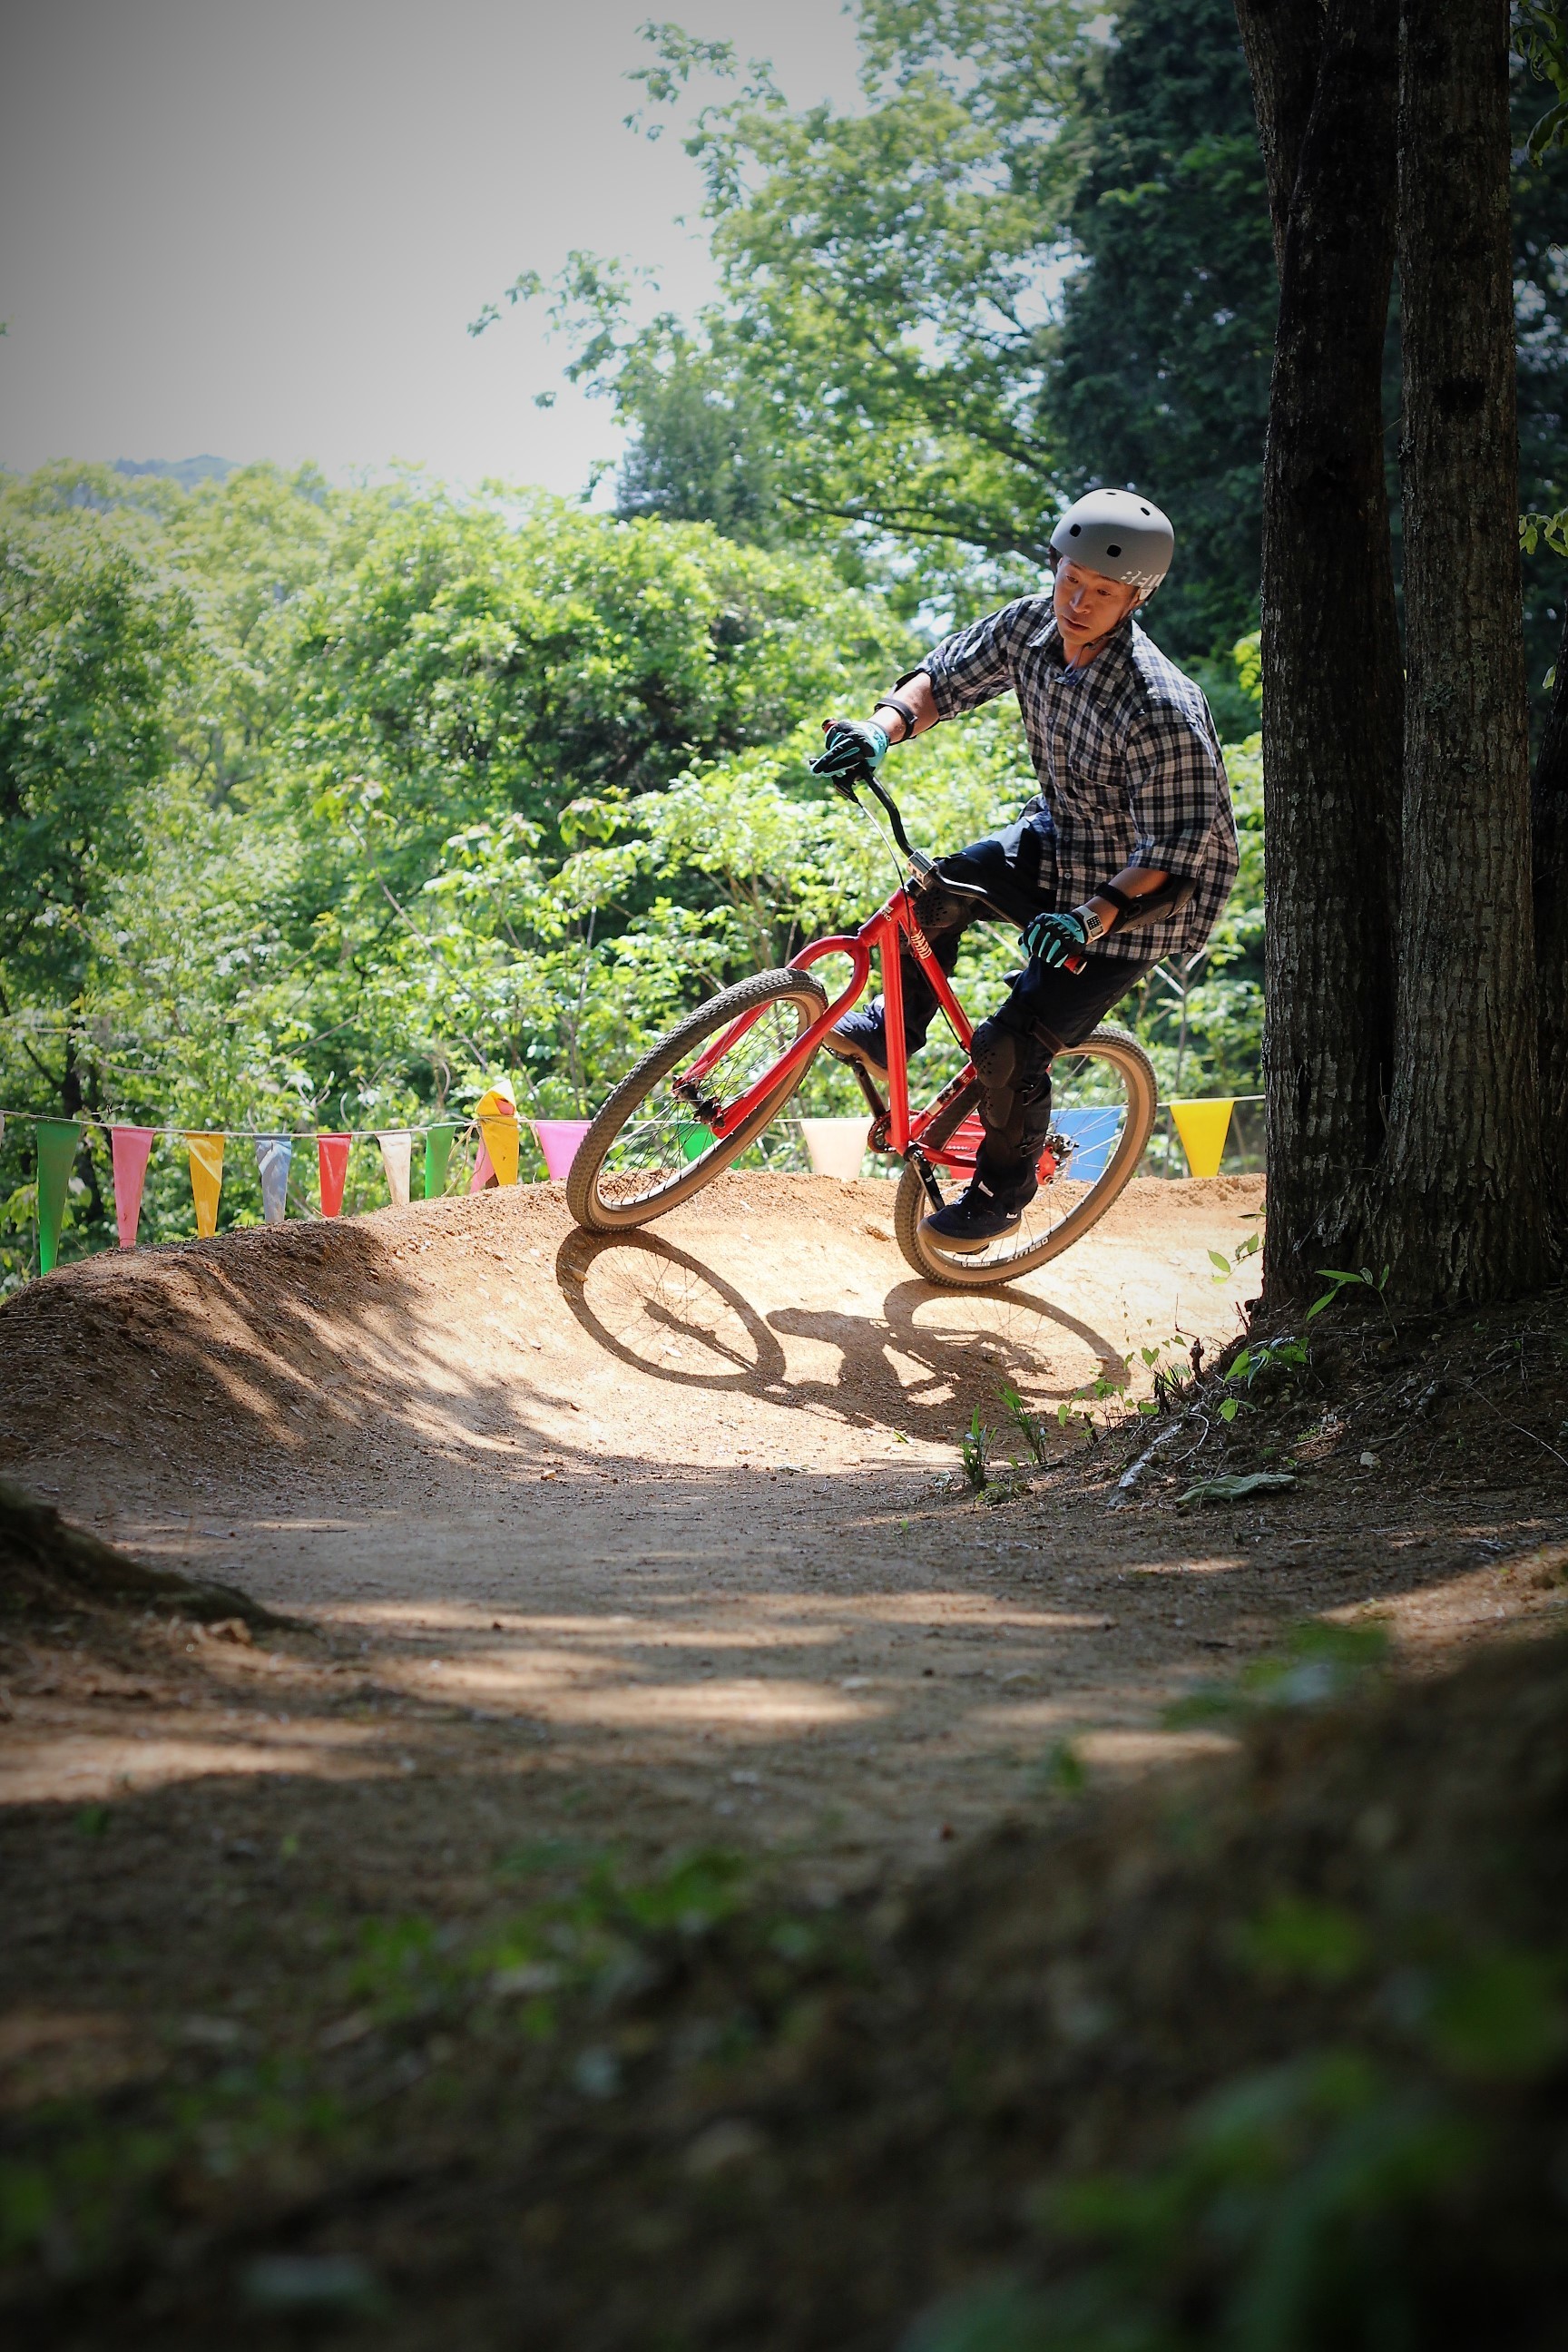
x,y
972,1222
861,1037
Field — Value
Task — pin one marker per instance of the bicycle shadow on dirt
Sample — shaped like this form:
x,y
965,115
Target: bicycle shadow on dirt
x,y
662,1312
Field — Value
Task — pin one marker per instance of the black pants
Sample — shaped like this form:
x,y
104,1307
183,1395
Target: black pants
x,y
1045,1009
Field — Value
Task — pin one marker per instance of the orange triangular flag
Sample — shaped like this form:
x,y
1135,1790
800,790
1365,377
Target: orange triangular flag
x,y
207,1178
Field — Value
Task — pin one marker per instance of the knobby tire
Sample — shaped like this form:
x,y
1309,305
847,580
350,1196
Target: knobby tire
x,y
1109,1042
585,1197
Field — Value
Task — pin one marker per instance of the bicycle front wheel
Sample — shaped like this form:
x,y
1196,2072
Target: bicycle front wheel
x,y
650,1148
1104,1095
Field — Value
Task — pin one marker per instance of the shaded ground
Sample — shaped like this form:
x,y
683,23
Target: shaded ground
x,y
598,1557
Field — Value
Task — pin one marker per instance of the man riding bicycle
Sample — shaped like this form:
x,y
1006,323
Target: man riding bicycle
x,y
1126,854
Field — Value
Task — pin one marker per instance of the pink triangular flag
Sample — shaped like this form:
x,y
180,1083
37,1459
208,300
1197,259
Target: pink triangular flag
x,y
332,1159
483,1172
130,1146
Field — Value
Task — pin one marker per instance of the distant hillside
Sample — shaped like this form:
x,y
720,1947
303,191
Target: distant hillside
x,y
187,471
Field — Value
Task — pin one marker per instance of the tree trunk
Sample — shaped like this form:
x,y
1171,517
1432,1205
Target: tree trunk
x,y
1549,824
1458,1210
1324,83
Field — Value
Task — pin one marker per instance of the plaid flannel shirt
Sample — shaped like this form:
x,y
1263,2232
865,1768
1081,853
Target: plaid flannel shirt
x,y
1128,764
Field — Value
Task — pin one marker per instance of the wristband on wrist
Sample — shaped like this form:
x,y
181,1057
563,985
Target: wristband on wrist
x,y
1119,900
891,702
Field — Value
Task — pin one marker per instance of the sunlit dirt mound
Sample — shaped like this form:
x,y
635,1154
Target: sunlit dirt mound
x,y
773,1316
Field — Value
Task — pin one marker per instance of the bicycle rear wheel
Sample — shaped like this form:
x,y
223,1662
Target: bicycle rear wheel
x,y
1104,1095
650,1148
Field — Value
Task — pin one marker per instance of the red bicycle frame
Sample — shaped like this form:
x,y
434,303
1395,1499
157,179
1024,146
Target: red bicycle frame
x,y
892,927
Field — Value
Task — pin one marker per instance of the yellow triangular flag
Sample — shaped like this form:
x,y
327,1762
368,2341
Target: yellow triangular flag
x,y
395,1149
1203,1127
206,1178
496,1111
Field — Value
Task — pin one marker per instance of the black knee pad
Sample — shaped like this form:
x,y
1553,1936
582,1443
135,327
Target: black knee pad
x,y
994,1052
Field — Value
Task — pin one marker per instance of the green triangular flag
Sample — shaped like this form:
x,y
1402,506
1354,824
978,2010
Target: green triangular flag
x,y
57,1140
437,1151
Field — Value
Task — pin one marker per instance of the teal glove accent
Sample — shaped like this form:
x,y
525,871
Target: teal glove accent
x,y
1055,939
852,743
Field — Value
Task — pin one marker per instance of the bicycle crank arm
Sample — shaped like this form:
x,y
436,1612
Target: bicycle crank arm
x,y
927,1175
874,1103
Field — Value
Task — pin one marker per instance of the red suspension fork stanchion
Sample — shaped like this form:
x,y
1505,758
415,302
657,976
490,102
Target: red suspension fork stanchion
x,y
889,942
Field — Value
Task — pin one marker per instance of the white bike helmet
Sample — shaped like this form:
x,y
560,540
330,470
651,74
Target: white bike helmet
x,y
1119,534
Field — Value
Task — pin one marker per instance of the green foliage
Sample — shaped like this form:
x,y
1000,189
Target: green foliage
x,y
358,800
974,1452
97,2175
1321,1664
1031,1428
1038,255
313,803
93,646
1340,1281
1167,334
1299,2204
1544,530
1541,36
874,371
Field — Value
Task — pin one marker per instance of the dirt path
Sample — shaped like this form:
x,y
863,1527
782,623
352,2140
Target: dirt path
x,y
597,1558
649,1529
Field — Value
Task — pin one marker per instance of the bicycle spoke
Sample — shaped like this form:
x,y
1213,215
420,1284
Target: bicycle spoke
x,y
668,1137
1092,1102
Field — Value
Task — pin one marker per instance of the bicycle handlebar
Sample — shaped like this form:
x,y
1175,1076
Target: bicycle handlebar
x,y
917,857
863,775
1152,907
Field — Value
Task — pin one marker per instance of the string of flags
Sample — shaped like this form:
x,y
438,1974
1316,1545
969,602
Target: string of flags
x,y
494,1124
1202,1124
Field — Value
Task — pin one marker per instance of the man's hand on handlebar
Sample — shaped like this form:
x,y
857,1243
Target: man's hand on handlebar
x,y
858,746
853,745
1056,940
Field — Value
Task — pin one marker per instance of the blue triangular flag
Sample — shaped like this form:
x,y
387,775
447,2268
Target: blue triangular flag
x,y
273,1153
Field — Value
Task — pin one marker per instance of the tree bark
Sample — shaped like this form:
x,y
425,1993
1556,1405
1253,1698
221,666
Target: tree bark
x,y
1549,827
1324,81
1282,41
1459,1209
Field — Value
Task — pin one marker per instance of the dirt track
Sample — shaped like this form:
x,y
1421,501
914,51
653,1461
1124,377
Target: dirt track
x,y
652,1523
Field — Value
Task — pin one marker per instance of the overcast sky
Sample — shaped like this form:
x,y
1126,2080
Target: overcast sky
x,y
258,227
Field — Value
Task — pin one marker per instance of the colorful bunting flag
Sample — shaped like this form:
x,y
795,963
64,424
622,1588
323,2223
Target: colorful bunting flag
x,y
558,1140
496,1111
483,1172
129,1146
1203,1127
332,1160
57,1140
397,1153
273,1155
438,1153
206,1152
